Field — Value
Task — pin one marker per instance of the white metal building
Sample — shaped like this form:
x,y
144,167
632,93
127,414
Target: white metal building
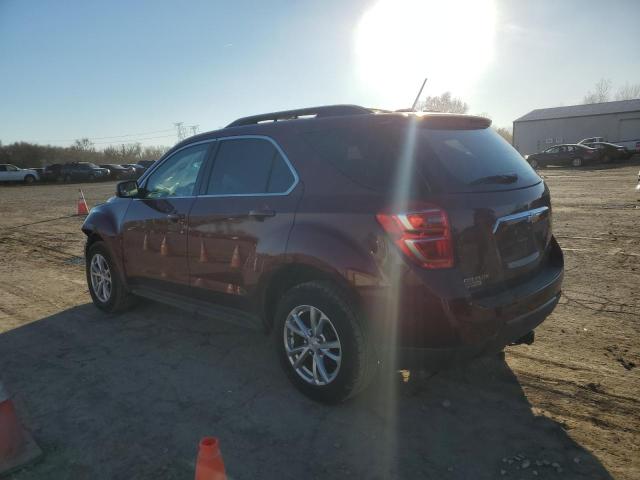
x,y
618,122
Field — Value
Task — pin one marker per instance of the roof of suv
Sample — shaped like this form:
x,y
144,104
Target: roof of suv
x,y
289,119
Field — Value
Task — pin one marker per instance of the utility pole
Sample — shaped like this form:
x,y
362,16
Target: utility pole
x,y
194,129
180,131
415,102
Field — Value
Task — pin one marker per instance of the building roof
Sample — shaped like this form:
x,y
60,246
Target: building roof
x,y
605,108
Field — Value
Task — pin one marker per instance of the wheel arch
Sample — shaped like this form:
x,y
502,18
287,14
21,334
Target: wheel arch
x,y
296,273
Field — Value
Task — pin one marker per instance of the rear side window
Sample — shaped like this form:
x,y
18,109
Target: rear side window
x,y
453,160
249,166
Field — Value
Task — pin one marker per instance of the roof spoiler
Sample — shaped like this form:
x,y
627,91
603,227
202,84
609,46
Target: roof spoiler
x,y
313,112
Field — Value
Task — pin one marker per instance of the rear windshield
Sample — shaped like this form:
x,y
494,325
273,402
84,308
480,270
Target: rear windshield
x,y
450,160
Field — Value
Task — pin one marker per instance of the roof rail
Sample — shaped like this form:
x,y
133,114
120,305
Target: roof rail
x,y
325,111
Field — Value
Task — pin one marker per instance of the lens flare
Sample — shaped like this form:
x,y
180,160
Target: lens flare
x,y
399,42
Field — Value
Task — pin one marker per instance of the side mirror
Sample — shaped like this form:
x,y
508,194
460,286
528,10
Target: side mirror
x,y
127,189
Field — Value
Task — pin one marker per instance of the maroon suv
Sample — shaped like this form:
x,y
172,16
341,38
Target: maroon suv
x,y
358,237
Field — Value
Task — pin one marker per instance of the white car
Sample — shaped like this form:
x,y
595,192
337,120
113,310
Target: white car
x,y
11,173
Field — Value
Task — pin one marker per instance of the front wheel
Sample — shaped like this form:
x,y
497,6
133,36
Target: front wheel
x,y
323,346
576,162
534,163
105,285
29,179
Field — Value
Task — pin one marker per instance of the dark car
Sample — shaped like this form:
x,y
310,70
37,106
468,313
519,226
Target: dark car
x,y
146,163
53,173
356,237
569,154
118,172
136,169
610,152
83,171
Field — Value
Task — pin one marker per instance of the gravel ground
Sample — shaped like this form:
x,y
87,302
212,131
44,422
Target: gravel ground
x,y
129,396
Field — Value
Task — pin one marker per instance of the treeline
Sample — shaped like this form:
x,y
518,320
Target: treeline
x,y
24,154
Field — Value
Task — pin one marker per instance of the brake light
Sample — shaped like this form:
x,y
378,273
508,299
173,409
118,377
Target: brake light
x,y
424,236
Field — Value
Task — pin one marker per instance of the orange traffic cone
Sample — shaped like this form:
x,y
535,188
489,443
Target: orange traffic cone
x,y
17,448
82,208
235,258
204,256
209,465
164,248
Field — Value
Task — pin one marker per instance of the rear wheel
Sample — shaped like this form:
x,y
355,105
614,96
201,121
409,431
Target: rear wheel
x,y
576,162
322,344
105,285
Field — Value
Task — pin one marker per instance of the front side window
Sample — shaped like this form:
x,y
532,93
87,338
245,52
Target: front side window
x,y
249,166
12,168
177,176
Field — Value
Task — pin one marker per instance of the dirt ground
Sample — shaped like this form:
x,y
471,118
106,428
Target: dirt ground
x,y
129,396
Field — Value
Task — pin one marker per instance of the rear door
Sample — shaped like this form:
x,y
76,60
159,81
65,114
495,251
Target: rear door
x,y
155,225
239,226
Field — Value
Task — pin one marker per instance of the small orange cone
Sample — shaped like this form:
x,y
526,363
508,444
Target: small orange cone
x,y
17,448
82,208
204,256
164,248
235,258
209,465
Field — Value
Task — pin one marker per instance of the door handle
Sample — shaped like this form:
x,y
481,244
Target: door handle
x,y
175,217
261,214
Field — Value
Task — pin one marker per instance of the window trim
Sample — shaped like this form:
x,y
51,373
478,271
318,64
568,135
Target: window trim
x,y
142,182
210,160
294,184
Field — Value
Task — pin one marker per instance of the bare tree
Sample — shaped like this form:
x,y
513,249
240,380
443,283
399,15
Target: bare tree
x,y
443,103
628,91
505,133
83,144
601,92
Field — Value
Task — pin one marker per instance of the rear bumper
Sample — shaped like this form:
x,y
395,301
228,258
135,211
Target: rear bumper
x,y
511,331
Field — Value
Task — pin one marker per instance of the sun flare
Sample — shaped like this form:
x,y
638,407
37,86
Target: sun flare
x,y
399,42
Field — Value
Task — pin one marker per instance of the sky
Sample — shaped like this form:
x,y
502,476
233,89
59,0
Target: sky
x,y
122,71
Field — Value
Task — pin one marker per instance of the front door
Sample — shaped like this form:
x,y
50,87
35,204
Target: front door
x,y
155,225
240,225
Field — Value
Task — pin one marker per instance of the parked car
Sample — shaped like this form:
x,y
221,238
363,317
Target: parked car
x,y
329,233
586,141
118,172
610,152
11,173
53,173
136,169
83,171
146,163
569,154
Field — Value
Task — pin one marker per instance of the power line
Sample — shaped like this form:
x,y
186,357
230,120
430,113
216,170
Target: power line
x,y
136,140
113,136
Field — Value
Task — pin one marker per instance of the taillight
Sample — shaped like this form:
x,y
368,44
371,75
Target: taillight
x,y
423,235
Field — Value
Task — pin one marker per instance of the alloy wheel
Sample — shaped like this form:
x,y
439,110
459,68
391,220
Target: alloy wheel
x,y
100,278
312,345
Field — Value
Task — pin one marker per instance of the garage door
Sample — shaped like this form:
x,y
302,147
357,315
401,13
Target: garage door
x,y
629,129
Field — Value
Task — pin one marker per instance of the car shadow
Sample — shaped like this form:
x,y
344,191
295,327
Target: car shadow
x,y
129,396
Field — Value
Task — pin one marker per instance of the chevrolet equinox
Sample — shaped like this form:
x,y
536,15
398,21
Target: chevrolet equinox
x,y
356,237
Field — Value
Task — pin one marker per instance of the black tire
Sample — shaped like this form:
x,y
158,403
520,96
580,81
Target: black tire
x,y
576,162
534,163
358,363
120,299
29,179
